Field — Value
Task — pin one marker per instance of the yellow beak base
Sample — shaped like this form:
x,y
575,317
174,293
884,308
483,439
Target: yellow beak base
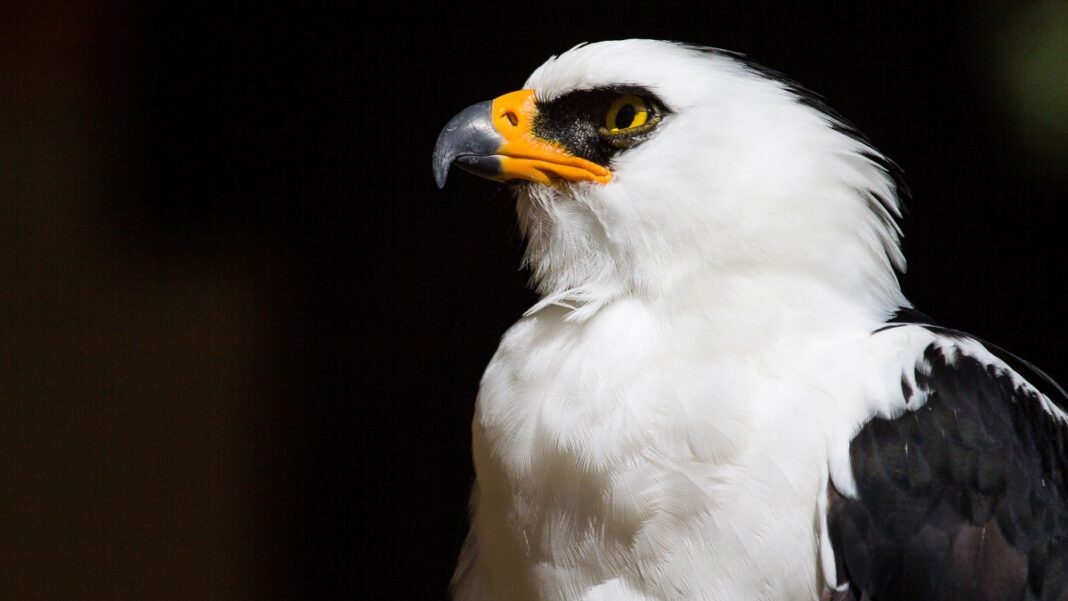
x,y
526,156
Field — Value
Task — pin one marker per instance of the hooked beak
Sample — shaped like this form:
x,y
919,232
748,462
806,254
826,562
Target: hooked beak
x,y
496,140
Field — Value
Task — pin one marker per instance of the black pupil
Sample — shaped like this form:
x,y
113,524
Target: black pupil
x,y
625,116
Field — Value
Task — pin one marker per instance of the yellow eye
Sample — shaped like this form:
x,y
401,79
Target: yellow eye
x,y
626,113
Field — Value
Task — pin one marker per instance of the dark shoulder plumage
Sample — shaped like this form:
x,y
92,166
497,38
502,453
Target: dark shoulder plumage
x,y
963,497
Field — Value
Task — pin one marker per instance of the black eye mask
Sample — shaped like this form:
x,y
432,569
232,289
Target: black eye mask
x,y
578,121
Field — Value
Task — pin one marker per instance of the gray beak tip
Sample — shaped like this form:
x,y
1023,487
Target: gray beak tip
x,y
468,134
441,173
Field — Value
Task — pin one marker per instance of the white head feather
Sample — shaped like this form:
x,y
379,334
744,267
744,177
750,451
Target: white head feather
x,y
746,177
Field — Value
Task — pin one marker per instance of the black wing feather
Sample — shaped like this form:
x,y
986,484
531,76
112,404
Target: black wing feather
x,y
963,498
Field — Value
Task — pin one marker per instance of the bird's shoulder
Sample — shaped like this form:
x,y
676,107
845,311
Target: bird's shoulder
x,y
957,489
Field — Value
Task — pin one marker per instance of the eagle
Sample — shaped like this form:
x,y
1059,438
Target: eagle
x,y
722,392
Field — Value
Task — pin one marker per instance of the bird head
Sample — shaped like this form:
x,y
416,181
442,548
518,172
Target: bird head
x,y
657,169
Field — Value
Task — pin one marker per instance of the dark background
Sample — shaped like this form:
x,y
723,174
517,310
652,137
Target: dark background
x,y
242,332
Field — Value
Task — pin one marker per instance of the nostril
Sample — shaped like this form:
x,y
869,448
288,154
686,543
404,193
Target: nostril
x,y
512,118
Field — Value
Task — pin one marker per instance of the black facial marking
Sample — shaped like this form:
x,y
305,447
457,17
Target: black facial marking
x,y
576,121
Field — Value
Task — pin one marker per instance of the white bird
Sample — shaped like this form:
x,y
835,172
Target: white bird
x,y
723,393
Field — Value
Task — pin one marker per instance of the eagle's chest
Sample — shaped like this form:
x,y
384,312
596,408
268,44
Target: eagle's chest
x,y
620,449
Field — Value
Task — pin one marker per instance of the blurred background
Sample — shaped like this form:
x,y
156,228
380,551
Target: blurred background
x,y
242,332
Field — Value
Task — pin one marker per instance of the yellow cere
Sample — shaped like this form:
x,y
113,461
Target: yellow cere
x,y
626,113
